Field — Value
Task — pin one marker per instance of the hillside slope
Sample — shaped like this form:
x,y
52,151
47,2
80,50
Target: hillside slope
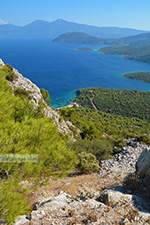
x,y
36,97
31,144
29,130
84,38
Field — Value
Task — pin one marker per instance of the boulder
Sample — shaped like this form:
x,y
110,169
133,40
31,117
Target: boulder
x,y
143,164
143,170
21,220
110,197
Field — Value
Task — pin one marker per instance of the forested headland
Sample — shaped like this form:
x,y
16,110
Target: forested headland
x,y
133,52
141,76
111,114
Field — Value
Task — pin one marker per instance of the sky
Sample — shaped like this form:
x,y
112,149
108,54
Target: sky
x,y
112,13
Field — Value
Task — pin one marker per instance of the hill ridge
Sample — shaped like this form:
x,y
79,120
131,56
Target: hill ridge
x,y
50,29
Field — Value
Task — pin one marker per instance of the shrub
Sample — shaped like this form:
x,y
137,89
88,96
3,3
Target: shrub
x,y
9,67
22,92
45,95
60,119
102,149
10,75
144,139
12,201
87,163
92,217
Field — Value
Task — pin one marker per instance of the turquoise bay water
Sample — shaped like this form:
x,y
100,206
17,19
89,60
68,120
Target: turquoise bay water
x,y
61,70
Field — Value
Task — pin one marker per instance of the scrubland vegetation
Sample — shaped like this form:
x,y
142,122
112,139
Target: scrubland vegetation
x,y
111,115
105,119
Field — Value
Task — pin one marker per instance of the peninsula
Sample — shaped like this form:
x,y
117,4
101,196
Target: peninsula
x,y
84,49
140,76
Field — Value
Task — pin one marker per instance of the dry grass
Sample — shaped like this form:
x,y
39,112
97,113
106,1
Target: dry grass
x,y
71,185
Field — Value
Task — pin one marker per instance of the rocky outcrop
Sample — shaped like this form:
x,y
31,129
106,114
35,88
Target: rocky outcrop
x,y
90,206
126,159
36,97
63,209
1,63
26,84
143,170
109,197
143,164
139,181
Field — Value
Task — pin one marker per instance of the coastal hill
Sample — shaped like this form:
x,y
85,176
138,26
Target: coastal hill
x,y
135,52
40,28
80,37
83,38
136,39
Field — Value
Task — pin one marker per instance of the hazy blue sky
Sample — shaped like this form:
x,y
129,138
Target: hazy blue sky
x,y
120,13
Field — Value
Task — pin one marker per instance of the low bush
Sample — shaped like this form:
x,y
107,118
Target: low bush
x,y
87,163
22,92
46,96
144,139
10,75
101,149
12,201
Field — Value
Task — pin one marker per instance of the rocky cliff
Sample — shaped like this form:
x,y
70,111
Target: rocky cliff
x,y
36,97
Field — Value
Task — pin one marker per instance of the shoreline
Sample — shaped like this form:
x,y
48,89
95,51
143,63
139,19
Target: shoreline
x,y
69,105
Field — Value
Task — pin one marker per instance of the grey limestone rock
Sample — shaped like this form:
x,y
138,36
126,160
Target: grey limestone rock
x,y
143,170
21,220
2,63
143,164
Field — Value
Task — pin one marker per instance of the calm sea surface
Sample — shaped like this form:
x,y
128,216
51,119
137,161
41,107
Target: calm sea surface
x,y
60,69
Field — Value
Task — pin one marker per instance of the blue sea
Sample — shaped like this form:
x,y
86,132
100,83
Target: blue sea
x,y
60,69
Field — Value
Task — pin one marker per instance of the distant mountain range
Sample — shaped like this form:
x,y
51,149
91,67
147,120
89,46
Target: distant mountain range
x,y
53,29
80,37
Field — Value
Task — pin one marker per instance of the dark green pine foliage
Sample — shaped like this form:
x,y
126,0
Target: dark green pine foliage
x,y
120,114
45,95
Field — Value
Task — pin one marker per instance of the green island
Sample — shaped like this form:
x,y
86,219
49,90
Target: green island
x,y
133,52
140,76
84,49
